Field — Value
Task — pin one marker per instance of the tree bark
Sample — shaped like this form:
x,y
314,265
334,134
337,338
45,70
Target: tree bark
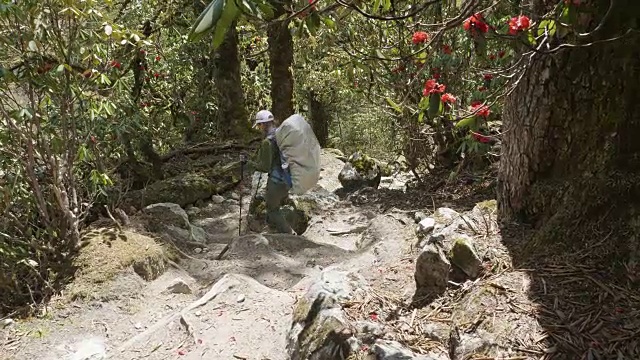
x,y
280,62
234,120
320,119
571,148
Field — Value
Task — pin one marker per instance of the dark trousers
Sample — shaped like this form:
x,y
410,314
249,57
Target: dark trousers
x,y
275,197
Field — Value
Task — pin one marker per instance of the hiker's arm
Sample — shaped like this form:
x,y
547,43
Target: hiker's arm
x,y
262,160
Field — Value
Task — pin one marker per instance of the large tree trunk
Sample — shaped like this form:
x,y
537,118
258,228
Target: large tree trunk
x,y
571,146
280,62
232,114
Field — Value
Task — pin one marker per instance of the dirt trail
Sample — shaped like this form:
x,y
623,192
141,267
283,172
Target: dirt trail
x,y
247,319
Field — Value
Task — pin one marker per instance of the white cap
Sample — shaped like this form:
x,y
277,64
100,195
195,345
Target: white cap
x,y
263,116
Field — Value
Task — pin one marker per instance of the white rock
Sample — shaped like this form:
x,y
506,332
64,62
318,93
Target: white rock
x,y
89,349
179,286
138,326
240,298
217,199
7,322
426,225
197,250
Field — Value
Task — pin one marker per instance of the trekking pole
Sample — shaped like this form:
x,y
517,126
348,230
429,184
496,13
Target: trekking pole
x,y
243,161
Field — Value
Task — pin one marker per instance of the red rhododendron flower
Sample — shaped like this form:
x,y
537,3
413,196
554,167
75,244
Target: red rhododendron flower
x,y
518,23
482,88
488,76
115,64
158,58
481,138
432,87
419,37
156,75
481,110
436,76
475,103
446,49
501,54
475,22
448,98
492,57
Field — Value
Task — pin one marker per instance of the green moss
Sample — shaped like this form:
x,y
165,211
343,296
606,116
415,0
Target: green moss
x,y
464,256
362,163
182,190
491,205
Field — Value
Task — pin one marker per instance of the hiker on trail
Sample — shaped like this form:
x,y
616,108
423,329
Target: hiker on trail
x,y
268,160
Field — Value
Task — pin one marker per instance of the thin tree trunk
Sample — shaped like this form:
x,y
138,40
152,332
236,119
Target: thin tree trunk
x,y
280,62
234,121
320,119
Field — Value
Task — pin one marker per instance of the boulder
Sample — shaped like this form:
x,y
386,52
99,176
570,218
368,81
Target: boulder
x,y
432,272
178,286
182,190
217,199
320,329
359,172
172,220
464,256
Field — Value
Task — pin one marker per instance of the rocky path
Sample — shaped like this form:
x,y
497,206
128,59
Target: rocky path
x,y
344,288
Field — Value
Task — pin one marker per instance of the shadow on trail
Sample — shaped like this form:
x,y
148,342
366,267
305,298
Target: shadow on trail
x,y
588,310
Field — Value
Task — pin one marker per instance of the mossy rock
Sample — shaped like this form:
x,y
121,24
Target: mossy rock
x,y
464,256
107,253
319,326
362,162
182,190
360,171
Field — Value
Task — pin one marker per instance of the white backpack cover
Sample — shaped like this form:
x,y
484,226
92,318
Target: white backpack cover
x,y
301,150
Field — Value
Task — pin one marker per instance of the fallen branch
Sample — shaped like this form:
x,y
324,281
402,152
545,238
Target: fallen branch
x,y
218,288
198,148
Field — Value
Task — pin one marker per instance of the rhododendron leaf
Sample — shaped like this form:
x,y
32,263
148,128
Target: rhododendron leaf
x,y
328,21
386,5
466,122
229,15
376,6
531,38
207,20
421,118
266,9
424,103
547,26
395,106
380,54
434,105
313,22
